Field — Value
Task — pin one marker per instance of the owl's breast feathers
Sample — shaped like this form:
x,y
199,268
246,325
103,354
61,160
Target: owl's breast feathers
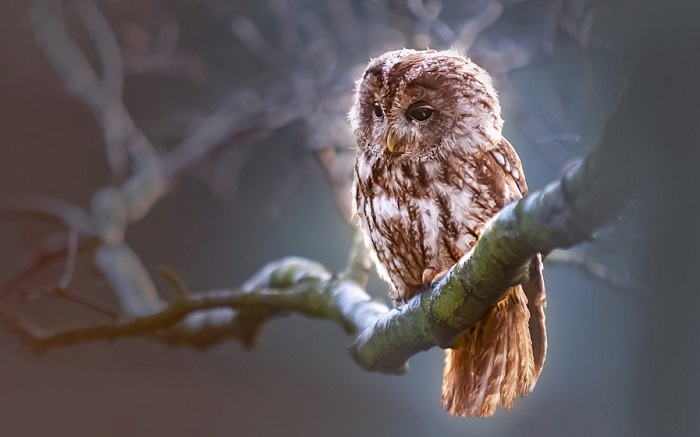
x,y
426,214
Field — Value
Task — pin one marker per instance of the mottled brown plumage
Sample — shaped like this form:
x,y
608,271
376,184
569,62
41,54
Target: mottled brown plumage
x,y
432,168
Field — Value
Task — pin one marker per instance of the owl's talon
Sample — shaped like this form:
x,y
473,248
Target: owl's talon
x,y
432,275
428,275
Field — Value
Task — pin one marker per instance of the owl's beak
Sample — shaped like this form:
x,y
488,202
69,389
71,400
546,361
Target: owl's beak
x,y
390,142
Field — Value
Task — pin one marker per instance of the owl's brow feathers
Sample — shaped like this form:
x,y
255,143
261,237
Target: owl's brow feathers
x,y
408,71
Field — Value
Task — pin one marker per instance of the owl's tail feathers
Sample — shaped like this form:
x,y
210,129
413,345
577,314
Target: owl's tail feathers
x,y
536,303
493,362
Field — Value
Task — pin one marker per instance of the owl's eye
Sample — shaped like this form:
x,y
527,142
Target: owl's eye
x,y
419,111
378,109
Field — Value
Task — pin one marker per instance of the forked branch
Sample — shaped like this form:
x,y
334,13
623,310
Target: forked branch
x,y
589,195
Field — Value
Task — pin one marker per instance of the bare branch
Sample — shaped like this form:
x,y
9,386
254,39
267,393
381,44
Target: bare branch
x,y
587,197
473,27
359,264
47,208
293,285
129,279
337,169
429,18
50,249
102,96
598,269
71,255
216,130
113,83
67,295
246,30
563,214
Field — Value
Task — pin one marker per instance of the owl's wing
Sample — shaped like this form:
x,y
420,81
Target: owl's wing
x,y
536,303
507,159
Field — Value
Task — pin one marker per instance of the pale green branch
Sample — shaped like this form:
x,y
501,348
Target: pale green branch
x,y
589,195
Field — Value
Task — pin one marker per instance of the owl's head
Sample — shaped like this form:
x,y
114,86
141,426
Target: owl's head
x,y
414,104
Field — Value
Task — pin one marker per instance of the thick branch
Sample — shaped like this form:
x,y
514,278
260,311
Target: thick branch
x,y
589,195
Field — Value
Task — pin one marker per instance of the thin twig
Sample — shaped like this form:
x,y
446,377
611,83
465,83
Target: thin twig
x,y
113,82
50,249
103,97
60,293
47,208
71,255
359,264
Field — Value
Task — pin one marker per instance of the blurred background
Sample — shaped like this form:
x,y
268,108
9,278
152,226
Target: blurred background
x,y
264,87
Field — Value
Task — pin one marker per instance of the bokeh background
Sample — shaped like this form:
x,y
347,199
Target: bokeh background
x,y
622,350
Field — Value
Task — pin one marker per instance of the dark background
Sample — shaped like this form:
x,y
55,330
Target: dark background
x,y
622,360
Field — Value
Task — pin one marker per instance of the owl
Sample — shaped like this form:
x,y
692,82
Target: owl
x,y
432,168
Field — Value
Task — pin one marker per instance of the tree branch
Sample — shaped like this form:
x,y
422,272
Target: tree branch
x,y
289,285
589,195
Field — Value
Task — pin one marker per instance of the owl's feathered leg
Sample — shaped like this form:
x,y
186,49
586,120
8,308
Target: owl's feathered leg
x,y
493,362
